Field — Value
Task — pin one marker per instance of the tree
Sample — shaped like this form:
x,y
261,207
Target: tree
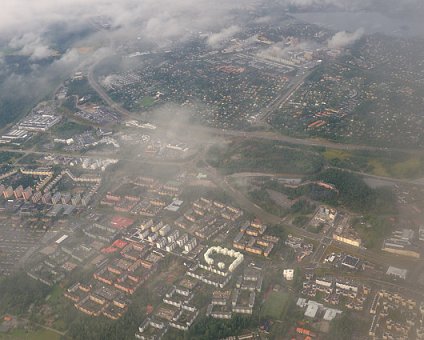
x,y
342,328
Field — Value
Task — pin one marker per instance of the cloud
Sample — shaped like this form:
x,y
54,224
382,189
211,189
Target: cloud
x,y
345,4
281,50
156,19
344,39
31,45
216,39
387,6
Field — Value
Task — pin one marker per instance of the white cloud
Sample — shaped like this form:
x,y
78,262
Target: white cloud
x,y
31,45
216,39
344,39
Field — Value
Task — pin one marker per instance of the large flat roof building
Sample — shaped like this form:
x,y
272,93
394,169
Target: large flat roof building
x,y
397,272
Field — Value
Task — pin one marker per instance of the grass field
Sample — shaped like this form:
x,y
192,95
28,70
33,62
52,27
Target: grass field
x,y
330,154
378,168
69,129
275,305
146,102
389,164
407,168
41,334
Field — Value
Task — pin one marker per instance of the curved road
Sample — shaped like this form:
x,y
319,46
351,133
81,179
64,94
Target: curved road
x,y
268,135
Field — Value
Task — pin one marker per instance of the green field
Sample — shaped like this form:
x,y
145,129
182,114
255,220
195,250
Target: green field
x,y
41,334
275,305
380,163
69,129
263,156
330,154
146,102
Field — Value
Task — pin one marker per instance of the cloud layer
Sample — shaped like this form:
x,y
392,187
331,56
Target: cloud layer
x,y
344,39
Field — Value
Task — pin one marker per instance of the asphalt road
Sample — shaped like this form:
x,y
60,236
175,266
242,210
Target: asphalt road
x,y
268,135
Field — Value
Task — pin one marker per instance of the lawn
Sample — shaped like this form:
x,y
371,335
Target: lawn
x,y
330,154
408,168
41,334
275,305
69,129
146,102
384,163
378,168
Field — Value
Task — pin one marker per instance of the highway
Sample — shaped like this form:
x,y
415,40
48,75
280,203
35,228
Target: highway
x,y
294,85
243,202
267,135
239,198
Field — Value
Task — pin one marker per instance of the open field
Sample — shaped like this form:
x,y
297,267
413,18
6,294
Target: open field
x,y
41,334
388,164
275,304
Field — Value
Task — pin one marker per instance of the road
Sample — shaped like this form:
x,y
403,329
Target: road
x,y
102,94
253,208
247,205
267,135
294,85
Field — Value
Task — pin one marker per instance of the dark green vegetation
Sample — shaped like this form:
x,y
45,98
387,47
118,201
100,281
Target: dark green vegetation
x,y
346,327
281,158
209,329
381,163
146,102
81,88
69,129
262,197
33,334
86,328
372,229
280,307
356,195
267,156
18,292
276,305
9,157
350,192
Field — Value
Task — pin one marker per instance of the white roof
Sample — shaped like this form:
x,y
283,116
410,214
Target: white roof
x,y
301,302
330,314
60,240
397,272
311,311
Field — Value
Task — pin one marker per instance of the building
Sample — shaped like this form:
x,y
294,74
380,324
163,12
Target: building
x,y
350,262
288,274
400,243
348,239
421,233
312,310
38,122
401,249
397,272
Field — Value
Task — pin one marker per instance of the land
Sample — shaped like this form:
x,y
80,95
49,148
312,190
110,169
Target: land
x,y
221,191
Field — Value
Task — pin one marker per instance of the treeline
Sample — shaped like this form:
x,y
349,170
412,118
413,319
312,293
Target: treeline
x,y
19,291
207,328
263,199
352,192
356,195
82,327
